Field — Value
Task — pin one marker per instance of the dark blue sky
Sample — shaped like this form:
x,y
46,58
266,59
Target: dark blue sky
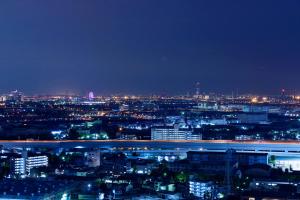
x,y
149,46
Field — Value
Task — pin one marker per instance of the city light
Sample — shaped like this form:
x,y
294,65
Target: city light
x,y
148,100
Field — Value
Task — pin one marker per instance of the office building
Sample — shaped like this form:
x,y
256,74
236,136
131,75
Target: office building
x,y
23,165
173,133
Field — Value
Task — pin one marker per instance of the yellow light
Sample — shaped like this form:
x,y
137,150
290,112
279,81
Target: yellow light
x,y
102,113
254,100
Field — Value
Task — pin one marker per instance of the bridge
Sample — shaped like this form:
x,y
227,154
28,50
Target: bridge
x,y
273,147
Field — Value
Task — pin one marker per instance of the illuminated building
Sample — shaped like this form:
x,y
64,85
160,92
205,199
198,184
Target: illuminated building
x,y
18,166
93,158
173,133
15,96
287,162
2,98
91,96
36,161
201,189
23,165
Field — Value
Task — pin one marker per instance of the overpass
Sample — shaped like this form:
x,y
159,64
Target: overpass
x,y
273,147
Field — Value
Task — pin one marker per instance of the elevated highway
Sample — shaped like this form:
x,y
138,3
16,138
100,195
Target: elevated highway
x,y
285,147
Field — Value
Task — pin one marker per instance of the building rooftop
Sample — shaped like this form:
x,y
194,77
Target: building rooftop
x,y
31,188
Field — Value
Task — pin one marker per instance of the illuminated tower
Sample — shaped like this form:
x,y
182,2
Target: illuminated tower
x,y
283,92
197,89
91,96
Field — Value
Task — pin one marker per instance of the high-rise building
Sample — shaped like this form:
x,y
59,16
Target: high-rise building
x,y
14,96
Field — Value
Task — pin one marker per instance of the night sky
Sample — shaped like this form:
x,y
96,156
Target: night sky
x,y
149,46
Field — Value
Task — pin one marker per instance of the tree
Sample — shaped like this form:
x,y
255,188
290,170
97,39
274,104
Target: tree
x,y
272,159
4,170
181,177
73,134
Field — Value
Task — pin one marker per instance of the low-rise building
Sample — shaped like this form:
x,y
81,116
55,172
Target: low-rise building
x,y
217,160
21,165
201,189
173,133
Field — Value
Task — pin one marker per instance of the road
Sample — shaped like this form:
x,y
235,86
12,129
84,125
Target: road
x,y
251,146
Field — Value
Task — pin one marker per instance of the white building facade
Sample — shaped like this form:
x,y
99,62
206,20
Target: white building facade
x,y
173,133
201,189
22,166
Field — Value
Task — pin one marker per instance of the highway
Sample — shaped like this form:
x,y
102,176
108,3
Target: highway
x,y
291,147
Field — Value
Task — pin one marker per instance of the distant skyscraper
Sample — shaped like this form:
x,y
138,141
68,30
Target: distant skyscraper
x,y
15,96
197,89
91,96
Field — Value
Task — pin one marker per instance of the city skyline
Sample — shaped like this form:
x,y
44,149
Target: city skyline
x,y
188,94
131,99
149,48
